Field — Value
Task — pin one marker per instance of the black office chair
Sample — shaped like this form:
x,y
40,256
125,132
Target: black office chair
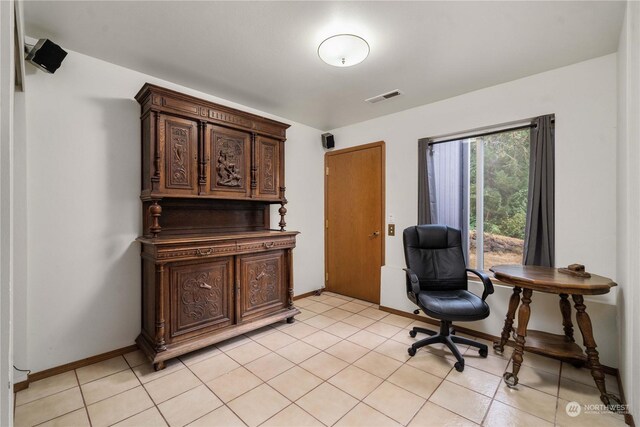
x,y
437,283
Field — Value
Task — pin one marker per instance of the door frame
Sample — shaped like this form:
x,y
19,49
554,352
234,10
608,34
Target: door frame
x,y
383,233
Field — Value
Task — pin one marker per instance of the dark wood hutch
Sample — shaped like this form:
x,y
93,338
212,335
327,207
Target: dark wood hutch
x,y
211,267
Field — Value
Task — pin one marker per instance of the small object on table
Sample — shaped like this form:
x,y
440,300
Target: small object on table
x,y
575,270
525,279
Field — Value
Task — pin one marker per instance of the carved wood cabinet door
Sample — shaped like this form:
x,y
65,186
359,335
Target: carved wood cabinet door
x,y
262,283
178,142
228,162
268,167
200,296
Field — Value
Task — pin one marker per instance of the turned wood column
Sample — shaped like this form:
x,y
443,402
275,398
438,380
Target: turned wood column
x,y
202,158
290,283
155,178
160,315
584,323
254,165
155,211
508,321
565,309
282,211
523,320
290,278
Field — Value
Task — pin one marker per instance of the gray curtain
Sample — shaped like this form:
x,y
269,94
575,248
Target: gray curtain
x,y
426,195
539,240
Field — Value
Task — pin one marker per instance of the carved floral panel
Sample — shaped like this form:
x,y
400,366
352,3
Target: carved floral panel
x,y
268,167
262,282
178,153
200,294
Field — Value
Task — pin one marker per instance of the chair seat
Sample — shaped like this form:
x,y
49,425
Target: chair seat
x,y
453,305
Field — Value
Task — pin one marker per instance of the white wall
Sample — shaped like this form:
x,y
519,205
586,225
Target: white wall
x,y
7,213
20,257
628,177
84,209
583,98
20,215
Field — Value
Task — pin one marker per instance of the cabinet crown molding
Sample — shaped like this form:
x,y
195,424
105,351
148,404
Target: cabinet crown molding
x,y
157,98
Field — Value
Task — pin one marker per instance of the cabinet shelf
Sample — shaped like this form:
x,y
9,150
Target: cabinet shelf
x,y
146,197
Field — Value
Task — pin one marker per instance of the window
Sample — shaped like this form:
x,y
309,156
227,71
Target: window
x,y
498,185
480,185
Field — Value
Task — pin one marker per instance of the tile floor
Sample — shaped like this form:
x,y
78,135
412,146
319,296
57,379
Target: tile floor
x,y
343,363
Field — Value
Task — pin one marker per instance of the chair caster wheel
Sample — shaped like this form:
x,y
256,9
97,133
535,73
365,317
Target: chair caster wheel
x,y
412,334
411,351
459,366
483,352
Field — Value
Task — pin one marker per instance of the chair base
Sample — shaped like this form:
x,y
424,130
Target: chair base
x,y
446,336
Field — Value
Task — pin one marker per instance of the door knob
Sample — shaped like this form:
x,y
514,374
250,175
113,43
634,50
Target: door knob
x,y
374,234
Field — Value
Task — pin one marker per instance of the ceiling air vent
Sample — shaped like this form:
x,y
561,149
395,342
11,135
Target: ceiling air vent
x,y
383,96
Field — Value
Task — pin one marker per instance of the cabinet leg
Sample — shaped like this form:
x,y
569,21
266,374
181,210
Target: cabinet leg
x,y
158,366
290,319
584,323
508,322
511,378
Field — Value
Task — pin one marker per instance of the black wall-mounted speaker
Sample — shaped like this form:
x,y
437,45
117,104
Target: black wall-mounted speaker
x,y
328,141
46,55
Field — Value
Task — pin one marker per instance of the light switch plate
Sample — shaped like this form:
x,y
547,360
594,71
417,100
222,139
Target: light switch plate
x,y
391,229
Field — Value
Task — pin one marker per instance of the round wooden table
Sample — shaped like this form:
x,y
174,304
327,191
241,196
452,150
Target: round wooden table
x,y
525,279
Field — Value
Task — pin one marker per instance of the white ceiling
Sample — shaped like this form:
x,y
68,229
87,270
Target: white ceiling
x,y
264,54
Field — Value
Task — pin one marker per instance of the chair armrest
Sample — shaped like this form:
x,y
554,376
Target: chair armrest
x,y
413,279
488,286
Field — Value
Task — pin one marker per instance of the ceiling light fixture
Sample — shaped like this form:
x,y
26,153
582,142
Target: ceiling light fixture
x,y
343,50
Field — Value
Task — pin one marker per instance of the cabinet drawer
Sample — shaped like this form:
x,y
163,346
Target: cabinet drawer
x,y
201,296
266,244
201,251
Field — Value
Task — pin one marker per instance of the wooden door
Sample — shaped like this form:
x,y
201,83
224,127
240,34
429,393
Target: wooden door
x,y
262,284
354,221
268,167
179,146
201,296
229,161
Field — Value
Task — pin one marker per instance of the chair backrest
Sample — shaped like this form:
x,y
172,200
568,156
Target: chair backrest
x,y
434,254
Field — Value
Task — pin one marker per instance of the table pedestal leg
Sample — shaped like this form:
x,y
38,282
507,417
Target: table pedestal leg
x,y
565,309
511,378
584,323
508,321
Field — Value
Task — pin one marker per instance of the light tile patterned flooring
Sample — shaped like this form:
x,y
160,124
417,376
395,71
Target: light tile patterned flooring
x,y
343,363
